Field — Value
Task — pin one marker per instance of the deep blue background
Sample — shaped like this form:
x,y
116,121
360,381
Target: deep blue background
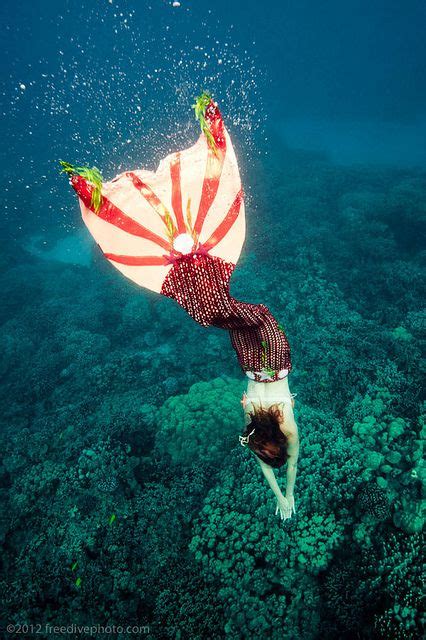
x,y
111,84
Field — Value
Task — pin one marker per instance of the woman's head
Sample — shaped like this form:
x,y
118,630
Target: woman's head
x,y
267,441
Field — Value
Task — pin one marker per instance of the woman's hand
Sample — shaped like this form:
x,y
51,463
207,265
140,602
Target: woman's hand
x,y
290,500
285,507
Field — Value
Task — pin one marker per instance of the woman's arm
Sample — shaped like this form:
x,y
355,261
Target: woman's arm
x,y
291,478
269,474
293,451
284,505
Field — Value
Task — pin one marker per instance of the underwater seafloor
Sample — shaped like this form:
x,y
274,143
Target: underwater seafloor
x,y
129,500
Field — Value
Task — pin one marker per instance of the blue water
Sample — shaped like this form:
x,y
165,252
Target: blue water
x,y
127,499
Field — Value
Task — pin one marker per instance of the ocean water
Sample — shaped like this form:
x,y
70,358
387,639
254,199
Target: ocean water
x,y
129,508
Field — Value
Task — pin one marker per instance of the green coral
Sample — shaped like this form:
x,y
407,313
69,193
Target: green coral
x,y
204,423
393,454
403,614
275,614
260,561
401,333
331,465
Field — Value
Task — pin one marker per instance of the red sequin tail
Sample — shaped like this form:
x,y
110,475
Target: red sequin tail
x,y
200,284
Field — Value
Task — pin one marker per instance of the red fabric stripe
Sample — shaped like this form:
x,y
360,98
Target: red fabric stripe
x,y
210,187
216,126
149,195
115,216
176,193
137,261
221,231
214,165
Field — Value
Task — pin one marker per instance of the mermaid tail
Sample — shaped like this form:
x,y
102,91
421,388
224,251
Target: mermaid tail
x,y
193,201
179,231
200,284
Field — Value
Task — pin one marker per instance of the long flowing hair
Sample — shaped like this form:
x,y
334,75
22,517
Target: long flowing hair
x,y
268,442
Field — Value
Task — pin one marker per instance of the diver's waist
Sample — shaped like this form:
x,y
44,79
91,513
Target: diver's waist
x,y
267,375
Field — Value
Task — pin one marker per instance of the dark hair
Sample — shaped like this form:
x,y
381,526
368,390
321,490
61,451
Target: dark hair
x,y
268,442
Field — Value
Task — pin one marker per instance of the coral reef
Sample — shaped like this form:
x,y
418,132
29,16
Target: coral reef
x,y
201,424
127,496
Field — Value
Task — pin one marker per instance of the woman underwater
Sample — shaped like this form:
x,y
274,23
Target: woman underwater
x,y
179,232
